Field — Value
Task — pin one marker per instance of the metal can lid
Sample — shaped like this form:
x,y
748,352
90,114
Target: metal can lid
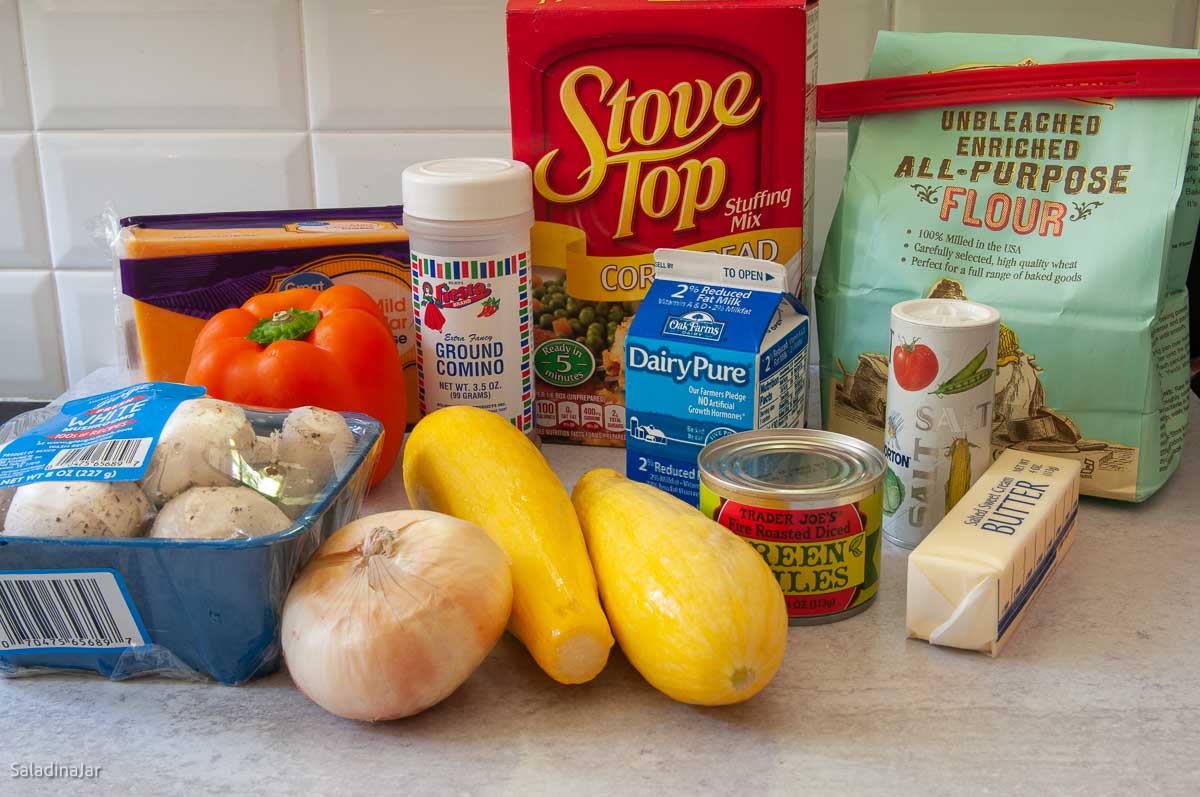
x,y
795,466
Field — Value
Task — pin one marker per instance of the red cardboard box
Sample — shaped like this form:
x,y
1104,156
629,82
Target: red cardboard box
x,y
651,123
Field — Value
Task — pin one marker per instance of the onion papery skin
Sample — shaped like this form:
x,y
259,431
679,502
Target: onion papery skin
x,y
394,612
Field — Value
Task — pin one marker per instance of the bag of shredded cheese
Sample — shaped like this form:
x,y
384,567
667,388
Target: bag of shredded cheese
x,y
1075,218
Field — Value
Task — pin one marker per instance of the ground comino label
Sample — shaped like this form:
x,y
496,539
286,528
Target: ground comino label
x,y
473,334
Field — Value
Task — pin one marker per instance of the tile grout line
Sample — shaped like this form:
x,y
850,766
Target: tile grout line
x,y
308,125
25,64
51,273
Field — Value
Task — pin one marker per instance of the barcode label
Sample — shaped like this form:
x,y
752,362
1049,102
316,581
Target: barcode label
x,y
67,610
129,452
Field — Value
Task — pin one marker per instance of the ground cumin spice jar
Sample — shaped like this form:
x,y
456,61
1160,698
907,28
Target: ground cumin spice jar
x,y
811,503
468,220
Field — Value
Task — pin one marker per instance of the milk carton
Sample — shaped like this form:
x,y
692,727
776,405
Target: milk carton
x,y
720,345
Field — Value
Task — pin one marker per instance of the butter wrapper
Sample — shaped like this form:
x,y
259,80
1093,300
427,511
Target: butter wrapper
x,y
971,580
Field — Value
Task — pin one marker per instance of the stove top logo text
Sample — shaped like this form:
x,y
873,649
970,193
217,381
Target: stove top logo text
x,y
659,178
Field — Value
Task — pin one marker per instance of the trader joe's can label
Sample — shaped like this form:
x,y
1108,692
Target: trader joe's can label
x,y
940,389
826,560
472,330
809,502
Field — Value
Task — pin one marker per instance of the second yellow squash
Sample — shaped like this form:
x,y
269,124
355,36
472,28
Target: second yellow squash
x,y
697,611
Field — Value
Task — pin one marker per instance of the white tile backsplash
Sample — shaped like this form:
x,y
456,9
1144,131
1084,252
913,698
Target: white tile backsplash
x,y
364,168
163,173
1167,22
22,225
179,105
85,303
174,64
846,34
14,98
29,324
406,64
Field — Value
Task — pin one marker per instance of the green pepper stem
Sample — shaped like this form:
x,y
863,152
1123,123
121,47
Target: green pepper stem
x,y
291,324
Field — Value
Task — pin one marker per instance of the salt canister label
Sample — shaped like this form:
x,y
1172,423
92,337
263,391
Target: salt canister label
x,y
473,334
938,423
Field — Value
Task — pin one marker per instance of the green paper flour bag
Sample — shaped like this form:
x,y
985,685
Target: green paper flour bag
x,y
1075,218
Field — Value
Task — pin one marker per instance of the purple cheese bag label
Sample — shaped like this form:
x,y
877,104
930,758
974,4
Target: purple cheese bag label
x,y
107,437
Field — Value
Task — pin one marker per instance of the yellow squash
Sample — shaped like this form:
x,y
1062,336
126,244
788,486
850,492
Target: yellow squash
x,y
476,466
695,608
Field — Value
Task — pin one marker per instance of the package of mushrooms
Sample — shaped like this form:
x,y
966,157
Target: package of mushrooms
x,y
151,530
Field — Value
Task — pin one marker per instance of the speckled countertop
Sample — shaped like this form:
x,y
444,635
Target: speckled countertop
x,y
1098,693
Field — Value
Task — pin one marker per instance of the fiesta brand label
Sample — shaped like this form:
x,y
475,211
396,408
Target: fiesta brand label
x,y
460,296
826,560
473,334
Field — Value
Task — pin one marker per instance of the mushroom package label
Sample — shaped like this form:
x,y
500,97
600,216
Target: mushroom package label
x,y
107,437
1073,217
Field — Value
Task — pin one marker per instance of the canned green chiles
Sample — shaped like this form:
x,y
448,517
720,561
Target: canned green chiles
x,y
810,503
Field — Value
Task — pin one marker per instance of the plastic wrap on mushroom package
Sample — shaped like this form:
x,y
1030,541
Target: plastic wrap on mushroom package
x,y
149,530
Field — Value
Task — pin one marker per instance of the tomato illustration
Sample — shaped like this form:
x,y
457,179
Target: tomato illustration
x,y
915,365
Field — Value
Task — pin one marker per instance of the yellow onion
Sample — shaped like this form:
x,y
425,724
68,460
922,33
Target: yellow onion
x,y
394,612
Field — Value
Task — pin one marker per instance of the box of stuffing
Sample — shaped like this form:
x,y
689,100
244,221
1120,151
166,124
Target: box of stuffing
x,y
178,271
971,580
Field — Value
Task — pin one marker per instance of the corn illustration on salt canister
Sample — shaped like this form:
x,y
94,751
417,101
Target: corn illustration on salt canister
x,y
938,422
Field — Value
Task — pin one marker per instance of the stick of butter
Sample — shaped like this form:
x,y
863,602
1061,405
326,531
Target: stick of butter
x,y
971,580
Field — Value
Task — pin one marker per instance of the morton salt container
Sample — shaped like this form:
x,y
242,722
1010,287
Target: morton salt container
x,y
938,429
810,503
468,221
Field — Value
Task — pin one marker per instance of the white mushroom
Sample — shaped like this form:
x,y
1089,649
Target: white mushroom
x,y
313,448
201,445
77,509
265,451
218,513
313,445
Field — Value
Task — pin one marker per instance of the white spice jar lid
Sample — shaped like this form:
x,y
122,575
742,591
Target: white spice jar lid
x,y
467,189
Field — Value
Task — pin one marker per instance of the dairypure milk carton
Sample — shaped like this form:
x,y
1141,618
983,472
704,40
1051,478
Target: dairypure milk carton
x,y
720,345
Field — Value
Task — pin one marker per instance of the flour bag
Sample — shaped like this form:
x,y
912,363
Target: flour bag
x,y
1075,218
